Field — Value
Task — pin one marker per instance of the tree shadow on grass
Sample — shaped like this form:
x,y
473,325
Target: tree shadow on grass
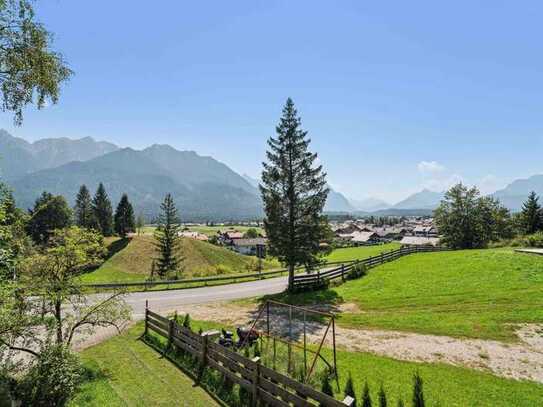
x,y
117,246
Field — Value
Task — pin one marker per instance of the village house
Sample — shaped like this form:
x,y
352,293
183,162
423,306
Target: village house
x,y
419,241
425,231
248,246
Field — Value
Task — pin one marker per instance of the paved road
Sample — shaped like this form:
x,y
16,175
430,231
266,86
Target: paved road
x,y
164,301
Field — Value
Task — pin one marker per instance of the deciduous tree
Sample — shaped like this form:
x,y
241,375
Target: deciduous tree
x,y
31,72
49,214
294,192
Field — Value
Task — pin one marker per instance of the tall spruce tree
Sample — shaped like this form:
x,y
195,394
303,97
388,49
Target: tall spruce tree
x,y
103,213
294,192
124,217
83,212
167,236
531,214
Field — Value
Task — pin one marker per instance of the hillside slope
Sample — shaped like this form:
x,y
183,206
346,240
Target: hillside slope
x,y
132,260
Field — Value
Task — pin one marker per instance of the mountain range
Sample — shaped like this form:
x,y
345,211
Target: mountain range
x,y
204,188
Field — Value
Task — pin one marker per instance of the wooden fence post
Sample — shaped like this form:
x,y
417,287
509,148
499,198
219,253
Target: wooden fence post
x,y
146,317
203,360
256,381
343,272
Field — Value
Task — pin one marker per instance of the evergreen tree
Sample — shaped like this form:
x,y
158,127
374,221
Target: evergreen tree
x,y
531,215
382,397
124,217
167,236
49,213
418,392
349,389
83,212
366,398
294,192
103,213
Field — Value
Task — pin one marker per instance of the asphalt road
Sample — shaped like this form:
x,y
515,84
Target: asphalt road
x,y
165,301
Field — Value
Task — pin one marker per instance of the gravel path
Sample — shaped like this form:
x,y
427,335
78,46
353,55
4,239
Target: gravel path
x,y
521,360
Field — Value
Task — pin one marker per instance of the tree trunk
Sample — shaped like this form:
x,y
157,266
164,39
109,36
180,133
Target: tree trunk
x,y
58,317
291,277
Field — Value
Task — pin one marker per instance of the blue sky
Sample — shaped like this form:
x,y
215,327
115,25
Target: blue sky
x,y
396,96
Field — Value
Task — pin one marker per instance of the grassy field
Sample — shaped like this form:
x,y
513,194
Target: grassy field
x,y
131,260
477,293
444,385
360,252
127,372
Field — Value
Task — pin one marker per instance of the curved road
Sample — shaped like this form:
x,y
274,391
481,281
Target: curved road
x,y
165,301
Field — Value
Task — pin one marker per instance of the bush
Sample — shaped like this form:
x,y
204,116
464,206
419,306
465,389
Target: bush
x,y
186,322
357,271
349,389
418,392
382,397
326,387
222,269
52,379
366,398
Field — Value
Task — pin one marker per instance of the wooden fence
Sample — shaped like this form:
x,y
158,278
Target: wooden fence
x,y
264,384
319,279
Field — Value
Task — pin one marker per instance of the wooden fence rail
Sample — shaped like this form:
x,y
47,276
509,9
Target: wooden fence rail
x,y
320,278
263,383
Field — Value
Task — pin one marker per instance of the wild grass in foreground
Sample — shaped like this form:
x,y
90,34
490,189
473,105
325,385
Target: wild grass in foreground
x,y
471,293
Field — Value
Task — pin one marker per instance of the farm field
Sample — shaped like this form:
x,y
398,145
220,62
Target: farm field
x,y
124,371
476,293
131,260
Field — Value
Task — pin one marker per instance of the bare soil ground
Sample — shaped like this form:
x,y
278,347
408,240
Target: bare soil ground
x,y
521,360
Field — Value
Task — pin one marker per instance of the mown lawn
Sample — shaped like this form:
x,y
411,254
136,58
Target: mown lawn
x,y
127,372
477,293
360,252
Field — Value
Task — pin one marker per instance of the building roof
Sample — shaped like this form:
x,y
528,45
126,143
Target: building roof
x,y
363,237
250,242
234,235
420,241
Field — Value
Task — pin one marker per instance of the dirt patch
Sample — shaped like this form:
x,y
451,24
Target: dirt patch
x,y
522,360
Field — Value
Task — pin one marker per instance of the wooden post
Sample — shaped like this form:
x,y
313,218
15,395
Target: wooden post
x,y
146,317
256,380
305,348
334,345
289,337
203,360
170,334
343,272
268,317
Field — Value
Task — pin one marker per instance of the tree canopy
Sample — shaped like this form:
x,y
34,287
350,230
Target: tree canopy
x,y
103,212
124,217
30,71
531,215
50,212
167,237
466,220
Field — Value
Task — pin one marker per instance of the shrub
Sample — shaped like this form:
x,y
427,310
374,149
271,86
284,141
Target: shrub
x,y
222,269
186,322
326,387
349,389
418,392
357,271
52,379
400,403
382,397
366,398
